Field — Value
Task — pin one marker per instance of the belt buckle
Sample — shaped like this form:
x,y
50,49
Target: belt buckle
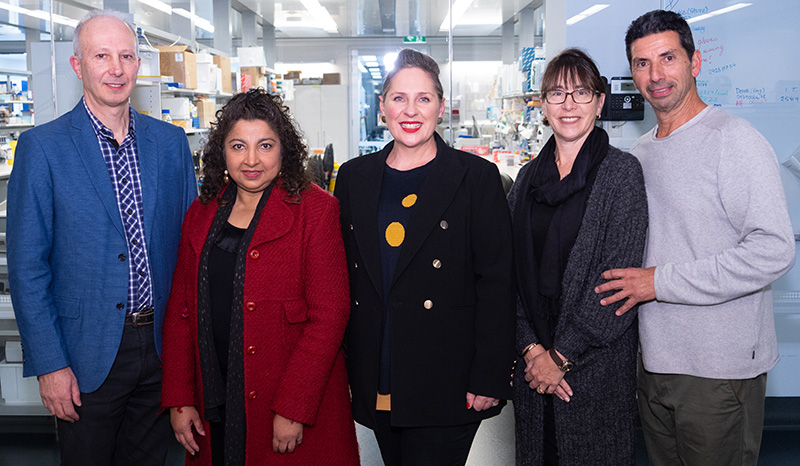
x,y
144,313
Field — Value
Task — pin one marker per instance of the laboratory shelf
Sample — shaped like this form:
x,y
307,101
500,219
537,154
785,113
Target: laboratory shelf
x,y
27,409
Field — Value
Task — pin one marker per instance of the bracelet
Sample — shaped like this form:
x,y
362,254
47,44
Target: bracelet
x,y
528,348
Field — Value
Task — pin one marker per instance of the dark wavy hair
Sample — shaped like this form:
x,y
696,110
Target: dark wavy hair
x,y
255,104
656,21
572,65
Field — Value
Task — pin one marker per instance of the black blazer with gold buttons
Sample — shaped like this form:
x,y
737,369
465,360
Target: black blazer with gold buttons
x,y
452,298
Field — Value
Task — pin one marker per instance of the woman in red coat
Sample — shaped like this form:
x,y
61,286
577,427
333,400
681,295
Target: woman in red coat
x,y
253,368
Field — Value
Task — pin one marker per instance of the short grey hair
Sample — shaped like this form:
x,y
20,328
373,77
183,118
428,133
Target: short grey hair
x,y
76,38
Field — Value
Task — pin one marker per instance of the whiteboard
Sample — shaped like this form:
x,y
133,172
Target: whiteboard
x,y
602,34
751,63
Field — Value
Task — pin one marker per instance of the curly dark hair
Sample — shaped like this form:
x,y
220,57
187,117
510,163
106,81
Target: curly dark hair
x,y
255,104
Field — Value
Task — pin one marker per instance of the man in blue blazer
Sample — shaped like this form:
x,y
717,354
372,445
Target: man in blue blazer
x,y
95,205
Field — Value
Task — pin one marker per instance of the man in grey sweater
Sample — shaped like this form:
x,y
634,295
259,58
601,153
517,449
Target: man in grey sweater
x,y
718,236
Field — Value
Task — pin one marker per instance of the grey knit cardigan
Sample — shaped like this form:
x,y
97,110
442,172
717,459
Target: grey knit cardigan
x,y
597,426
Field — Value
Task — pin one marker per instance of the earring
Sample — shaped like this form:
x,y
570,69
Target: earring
x,y
383,118
225,177
545,121
598,117
439,121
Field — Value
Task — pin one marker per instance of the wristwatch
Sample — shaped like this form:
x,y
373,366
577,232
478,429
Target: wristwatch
x,y
562,364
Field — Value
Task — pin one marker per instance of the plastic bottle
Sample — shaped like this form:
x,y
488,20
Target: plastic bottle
x,y
165,115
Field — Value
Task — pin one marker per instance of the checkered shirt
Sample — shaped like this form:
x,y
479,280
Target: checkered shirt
x,y
123,166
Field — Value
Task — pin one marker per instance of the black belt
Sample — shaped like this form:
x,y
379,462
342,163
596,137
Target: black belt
x,y
138,319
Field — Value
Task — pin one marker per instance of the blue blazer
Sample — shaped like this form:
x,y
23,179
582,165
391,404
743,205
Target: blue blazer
x,y
66,242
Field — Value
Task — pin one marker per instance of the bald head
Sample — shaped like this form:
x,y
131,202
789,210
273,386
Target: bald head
x,y
104,14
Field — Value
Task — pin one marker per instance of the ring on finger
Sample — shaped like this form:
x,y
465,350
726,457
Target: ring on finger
x,y
540,390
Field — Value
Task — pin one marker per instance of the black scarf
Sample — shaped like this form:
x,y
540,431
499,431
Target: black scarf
x,y
217,394
543,192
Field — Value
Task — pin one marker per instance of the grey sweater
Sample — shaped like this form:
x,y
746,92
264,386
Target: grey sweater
x,y
719,235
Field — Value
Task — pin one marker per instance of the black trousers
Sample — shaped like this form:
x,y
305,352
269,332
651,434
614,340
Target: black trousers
x,y
121,423
423,446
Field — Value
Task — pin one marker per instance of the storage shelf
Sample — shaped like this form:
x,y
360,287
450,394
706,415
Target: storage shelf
x,y
29,409
15,72
515,95
196,130
191,92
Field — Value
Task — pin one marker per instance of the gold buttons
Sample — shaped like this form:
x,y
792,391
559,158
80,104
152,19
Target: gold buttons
x,y
437,264
428,304
444,224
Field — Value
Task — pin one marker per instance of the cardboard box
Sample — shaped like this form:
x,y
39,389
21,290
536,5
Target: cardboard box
x,y
253,76
205,112
206,77
292,75
331,78
149,64
179,62
224,64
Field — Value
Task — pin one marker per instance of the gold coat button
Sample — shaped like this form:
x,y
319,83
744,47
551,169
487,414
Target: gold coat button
x,y
437,264
444,224
428,304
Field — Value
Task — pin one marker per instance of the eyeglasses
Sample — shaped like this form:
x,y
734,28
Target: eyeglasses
x,y
579,96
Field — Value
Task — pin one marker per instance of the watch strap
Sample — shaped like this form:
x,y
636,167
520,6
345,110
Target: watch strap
x,y
563,365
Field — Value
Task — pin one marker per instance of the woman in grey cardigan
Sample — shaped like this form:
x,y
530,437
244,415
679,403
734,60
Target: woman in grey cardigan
x,y
579,208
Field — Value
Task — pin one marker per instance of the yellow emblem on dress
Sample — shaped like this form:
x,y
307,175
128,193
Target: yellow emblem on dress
x,y
395,234
409,200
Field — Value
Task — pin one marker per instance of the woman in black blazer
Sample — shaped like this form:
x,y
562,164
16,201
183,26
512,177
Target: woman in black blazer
x,y
428,239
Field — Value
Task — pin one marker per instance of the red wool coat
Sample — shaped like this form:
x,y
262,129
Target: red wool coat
x,y
296,306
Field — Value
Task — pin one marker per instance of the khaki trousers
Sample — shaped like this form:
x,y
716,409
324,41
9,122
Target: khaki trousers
x,y
692,421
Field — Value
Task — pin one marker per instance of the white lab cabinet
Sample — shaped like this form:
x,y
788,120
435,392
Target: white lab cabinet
x,y
18,396
321,112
